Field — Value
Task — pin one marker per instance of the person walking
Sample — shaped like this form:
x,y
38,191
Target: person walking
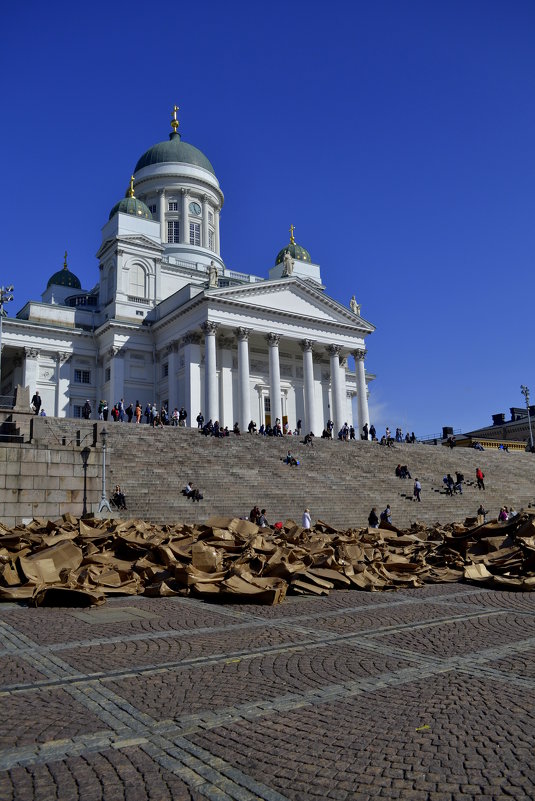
x,y
417,490
306,521
480,475
36,402
373,520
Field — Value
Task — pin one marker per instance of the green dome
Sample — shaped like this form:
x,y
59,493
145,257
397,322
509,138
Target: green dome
x,y
175,151
131,205
64,277
295,251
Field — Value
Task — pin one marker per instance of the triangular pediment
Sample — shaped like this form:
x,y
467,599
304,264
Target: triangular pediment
x,y
136,240
294,297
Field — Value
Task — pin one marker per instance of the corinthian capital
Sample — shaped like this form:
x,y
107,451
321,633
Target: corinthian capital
x,y
359,355
307,344
334,350
273,339
242,333
209,327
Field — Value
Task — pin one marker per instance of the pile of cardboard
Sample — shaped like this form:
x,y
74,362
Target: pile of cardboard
x,y
81,562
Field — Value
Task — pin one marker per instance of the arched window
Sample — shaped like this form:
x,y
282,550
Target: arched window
x,y
137,280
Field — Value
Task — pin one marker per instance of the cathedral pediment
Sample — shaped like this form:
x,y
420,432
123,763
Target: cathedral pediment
x,y
292,296
134,241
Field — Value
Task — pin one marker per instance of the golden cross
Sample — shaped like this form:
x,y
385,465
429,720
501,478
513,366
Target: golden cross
x,y
65,261
292,240
131,190
174,121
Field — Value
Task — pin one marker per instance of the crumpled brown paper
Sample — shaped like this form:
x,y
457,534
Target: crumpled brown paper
x,y
72,562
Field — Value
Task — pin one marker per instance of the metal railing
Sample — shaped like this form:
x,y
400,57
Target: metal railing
x,y
431,437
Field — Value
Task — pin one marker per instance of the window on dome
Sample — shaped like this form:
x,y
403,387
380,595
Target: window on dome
x,y
173,231
82,376
211,239
195,234
173,205
136,282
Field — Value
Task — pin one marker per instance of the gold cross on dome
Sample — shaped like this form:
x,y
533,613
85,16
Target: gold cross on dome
x,y
131,190
292,240
174,121
65,261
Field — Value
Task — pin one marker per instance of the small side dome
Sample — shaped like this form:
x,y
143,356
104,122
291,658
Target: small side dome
x,y
295,250
64,277
131,205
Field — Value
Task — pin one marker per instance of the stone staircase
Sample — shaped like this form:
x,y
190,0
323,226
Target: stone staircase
x,y
338,481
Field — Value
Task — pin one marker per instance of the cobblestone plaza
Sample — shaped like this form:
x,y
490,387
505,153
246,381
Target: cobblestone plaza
x,y
422,694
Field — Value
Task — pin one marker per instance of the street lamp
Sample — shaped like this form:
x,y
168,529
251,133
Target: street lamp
x,y
85,456
5,297
525,392
104,503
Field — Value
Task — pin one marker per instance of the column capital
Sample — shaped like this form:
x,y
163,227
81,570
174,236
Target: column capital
x,y
31,353
183,192
172,347
191,338
242,333
209,327
273,339
307,344
334,350
61,358
161,192
205,198
115,350
360,354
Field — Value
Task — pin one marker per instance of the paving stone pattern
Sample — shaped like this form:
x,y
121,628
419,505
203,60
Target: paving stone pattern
x,y
424,695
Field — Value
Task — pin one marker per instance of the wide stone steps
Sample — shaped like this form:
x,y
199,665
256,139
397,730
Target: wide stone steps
x,y
338,481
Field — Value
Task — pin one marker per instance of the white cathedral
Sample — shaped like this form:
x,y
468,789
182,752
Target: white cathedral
x,y
169,323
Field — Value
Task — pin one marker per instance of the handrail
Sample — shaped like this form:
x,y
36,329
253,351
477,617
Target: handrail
x,y
430,437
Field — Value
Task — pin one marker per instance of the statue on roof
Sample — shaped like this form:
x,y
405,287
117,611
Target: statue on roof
x,y
354,306
288,264
212,276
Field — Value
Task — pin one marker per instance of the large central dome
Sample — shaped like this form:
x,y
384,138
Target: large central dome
x,y
175,150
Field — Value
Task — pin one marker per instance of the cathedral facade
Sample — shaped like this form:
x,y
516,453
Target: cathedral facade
x,y
168,323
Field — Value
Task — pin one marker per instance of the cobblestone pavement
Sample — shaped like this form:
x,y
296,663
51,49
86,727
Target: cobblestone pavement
x,y
424,695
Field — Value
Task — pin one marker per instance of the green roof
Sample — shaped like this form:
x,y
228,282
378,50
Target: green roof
x,y
64,277
175,150
131,205
295,251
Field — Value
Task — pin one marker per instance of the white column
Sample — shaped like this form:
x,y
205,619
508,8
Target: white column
x,y
336,405
244,393
30,369
308,388
210,372
61,399
172,379
274,378
116,375
192,377
343,391
205,208
184,226
161,199
362,390
216,234
226,417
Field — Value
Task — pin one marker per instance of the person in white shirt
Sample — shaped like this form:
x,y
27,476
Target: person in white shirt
x,y
306,522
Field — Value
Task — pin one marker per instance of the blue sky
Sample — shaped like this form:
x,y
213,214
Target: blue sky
x,y
398,138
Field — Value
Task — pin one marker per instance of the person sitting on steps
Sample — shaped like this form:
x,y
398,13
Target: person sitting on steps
x,y
118,498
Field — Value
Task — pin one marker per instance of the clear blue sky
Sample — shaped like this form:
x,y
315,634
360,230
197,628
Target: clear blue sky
x,y
398,137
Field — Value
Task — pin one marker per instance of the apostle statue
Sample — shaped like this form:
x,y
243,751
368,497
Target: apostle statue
x,y
288,264
354,306
212,276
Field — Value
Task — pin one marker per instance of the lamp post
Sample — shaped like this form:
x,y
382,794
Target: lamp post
x,y
5,297
525,392
104,503
85,456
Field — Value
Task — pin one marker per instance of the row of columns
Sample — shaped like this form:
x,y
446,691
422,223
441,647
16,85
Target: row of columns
x,y
184,221
338,388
